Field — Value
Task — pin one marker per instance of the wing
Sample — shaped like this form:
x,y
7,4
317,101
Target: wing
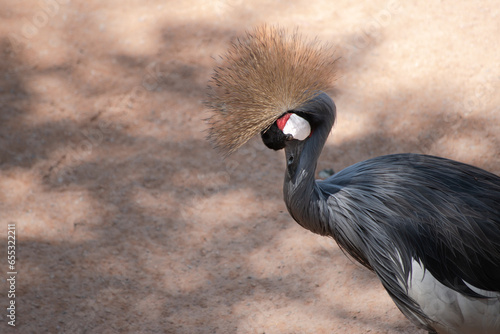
x,y
440,212
392,210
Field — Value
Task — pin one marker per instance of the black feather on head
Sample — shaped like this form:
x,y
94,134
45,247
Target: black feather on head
x,y
274,138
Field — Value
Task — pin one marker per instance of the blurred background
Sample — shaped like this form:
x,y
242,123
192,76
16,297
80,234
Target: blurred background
x,y
127,221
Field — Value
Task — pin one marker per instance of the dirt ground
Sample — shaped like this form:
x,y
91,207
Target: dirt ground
x,y
127,221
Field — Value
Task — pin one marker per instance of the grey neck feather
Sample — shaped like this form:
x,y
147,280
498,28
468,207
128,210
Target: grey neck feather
x,y
301,192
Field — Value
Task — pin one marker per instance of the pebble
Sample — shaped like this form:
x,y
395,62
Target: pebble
x,y
326,173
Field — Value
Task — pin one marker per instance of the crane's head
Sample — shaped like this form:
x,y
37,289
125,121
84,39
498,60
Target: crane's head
x,y
299,125
261,86
288,127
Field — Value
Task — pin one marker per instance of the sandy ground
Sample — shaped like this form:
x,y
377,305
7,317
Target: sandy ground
x,y
128,222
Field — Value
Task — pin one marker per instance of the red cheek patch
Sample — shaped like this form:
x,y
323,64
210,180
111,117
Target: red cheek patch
x,y
281,122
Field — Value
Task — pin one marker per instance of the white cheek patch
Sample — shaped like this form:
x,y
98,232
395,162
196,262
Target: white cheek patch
x,y
298,127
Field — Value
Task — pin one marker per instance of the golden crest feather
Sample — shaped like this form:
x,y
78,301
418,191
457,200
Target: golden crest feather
x,y
263,75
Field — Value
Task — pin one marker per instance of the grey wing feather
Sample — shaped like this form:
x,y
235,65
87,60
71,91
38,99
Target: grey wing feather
x,y
389,210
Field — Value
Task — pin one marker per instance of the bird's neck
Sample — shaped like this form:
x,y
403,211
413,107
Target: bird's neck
x,y
302,200
302,194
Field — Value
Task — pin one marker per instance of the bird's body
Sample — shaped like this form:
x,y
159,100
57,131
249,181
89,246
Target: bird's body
x,y
399,214
428,227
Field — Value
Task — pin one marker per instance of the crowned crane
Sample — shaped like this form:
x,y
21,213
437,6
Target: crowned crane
x,y
428,227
